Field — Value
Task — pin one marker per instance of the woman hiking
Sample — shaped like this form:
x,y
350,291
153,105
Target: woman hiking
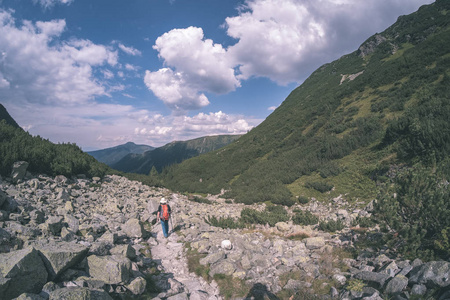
x,y
164,215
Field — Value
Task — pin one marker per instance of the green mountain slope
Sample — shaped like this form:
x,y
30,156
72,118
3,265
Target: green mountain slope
x,y
112,155
4,115
172,153
342,129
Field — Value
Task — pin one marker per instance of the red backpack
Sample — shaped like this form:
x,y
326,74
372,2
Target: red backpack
x,y
165,212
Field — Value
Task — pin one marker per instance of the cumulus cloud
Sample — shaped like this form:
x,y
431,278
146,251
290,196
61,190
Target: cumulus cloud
x,y
36,66
283,40
130,50
157,127
194,65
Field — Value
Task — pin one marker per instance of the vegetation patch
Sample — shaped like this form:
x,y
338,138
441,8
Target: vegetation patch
x,y
231,287
304,217
331,225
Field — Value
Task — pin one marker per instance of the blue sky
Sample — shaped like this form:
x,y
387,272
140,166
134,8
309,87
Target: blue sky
x,y
105,72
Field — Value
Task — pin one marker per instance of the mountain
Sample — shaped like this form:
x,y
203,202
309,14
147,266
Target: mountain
x,y
350,124
171,153
4,115
112,155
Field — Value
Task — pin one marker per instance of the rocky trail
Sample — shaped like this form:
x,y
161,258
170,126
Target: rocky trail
x,y
80,238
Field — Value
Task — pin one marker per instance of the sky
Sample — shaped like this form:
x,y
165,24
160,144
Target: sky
x,y
105,72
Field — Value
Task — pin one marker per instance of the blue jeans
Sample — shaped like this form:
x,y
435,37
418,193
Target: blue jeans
x,y
165,227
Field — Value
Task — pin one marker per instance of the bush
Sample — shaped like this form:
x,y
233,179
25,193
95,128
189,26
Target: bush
x,y
417,215
303,199
271,215
200,200
319,186
224,222
304,217
331,226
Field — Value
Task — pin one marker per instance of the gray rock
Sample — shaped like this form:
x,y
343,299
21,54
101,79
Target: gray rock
x,y
3,197
29,296
112,269
73,223
222,267
54,225
47,289
212,258
434,273
133,228
378,278
181,296
60,256
137,286
314,242
418,289
19,170
124,250
25,270
396,285
78,293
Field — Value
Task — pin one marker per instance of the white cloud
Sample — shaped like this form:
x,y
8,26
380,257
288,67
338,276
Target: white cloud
x,y
51,3
36,66
184,128
174,90
285,40
129,50
130,67
194,65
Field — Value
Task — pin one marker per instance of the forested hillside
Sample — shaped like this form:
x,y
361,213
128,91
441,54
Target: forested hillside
x,y
43,156
347,127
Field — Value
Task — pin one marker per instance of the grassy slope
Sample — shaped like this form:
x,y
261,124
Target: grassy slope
x,y
327,127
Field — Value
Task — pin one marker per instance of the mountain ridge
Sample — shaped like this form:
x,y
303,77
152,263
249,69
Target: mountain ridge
x,y
171,153
326,138
114,154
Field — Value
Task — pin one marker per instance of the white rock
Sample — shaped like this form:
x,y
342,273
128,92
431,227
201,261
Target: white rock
x,y
226,244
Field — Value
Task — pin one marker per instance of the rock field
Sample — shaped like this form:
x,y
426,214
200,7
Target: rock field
x,y
82,238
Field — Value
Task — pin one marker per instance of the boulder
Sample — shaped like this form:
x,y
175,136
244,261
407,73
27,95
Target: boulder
x,y
22,271
19,170
222,267
314,242
396,285
283,226
212,258
54,225
29,296
124,250
60,256
133,228
78,293
434,274
3,197
378,278
137,286
112,269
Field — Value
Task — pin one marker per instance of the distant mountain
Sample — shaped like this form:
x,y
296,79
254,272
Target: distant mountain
x,y
347,126
172,153
112,155
4,115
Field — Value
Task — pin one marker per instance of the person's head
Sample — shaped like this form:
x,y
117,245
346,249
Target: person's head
x,y
163,201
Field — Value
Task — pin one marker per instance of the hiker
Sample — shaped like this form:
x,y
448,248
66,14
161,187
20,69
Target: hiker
x,y
164,215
